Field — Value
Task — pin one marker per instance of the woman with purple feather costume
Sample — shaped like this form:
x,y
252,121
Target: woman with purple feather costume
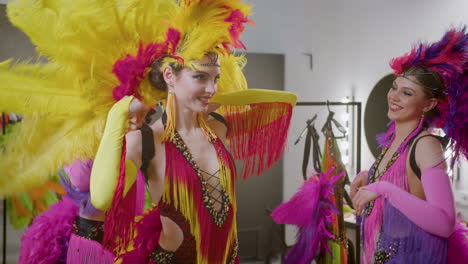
x,y
406,202
71,231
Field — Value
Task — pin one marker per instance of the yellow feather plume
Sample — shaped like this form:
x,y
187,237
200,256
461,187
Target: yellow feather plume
x,y
66,96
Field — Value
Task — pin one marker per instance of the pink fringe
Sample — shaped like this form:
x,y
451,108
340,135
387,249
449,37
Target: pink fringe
x,y
458,245
396,174
148,228
84,251
212,238
259,146
118,230
148,231
45,241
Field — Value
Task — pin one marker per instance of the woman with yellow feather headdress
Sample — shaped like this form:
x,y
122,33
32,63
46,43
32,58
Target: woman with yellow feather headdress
x,y
100,52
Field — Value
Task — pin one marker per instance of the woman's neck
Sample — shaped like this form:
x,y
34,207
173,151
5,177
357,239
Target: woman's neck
x,y
186,121
403,129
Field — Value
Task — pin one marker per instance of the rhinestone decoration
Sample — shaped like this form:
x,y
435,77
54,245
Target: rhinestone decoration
x,y
383,255
162,256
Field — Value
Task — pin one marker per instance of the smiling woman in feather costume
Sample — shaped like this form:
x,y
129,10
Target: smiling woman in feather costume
x,y
406,201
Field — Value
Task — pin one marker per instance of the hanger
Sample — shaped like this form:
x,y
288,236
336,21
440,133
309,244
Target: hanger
x,y
309,123
331,120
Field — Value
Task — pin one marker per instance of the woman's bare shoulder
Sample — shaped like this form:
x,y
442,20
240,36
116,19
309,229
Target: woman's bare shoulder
x,y
429,152
218,127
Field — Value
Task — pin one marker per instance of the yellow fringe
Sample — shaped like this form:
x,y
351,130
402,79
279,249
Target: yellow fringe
x,y
183,201
209,134
171,118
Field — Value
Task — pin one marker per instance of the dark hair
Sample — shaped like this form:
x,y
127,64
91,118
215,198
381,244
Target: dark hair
x,y
155,75
432,84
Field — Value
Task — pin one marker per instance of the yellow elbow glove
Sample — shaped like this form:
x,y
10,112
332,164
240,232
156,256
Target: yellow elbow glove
x,y
106,167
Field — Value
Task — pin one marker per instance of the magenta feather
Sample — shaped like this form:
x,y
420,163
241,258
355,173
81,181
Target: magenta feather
x,y
46,240
313,201
458,245
148,231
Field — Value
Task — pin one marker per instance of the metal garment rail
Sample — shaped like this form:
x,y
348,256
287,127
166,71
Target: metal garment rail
x,y
358,105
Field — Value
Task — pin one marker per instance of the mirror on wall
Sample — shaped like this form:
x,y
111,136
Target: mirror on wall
x,y
375,114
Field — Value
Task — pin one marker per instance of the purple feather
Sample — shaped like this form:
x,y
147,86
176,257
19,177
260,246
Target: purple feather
x,y
384,138
80,198
317,211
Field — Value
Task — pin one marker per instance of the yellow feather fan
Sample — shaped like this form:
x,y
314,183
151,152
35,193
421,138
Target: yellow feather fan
x,y
65,100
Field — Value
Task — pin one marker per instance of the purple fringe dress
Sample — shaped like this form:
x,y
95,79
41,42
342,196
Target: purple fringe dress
x,y
388,236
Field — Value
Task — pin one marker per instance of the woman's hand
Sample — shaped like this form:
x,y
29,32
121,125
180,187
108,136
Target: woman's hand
x,y
136,114
362,198
359,181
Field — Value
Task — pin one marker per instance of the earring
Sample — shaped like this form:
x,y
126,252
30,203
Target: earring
x,y
171,116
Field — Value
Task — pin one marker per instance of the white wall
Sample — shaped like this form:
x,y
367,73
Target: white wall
x,y
351,41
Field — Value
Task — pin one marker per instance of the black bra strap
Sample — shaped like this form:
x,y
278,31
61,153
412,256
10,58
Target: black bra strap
x,y
219,117
147,150
412,160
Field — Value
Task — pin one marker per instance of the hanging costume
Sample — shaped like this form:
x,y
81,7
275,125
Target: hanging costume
x,y
99,53
316,202
395,227
321,235
331,160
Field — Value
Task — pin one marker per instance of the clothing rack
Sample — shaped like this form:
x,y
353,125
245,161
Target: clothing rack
x,y
358,106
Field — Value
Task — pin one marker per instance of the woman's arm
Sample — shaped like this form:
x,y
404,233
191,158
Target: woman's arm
x,y
106,167
436,214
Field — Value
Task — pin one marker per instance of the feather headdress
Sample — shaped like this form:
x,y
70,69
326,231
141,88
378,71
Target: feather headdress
x,y
447,57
